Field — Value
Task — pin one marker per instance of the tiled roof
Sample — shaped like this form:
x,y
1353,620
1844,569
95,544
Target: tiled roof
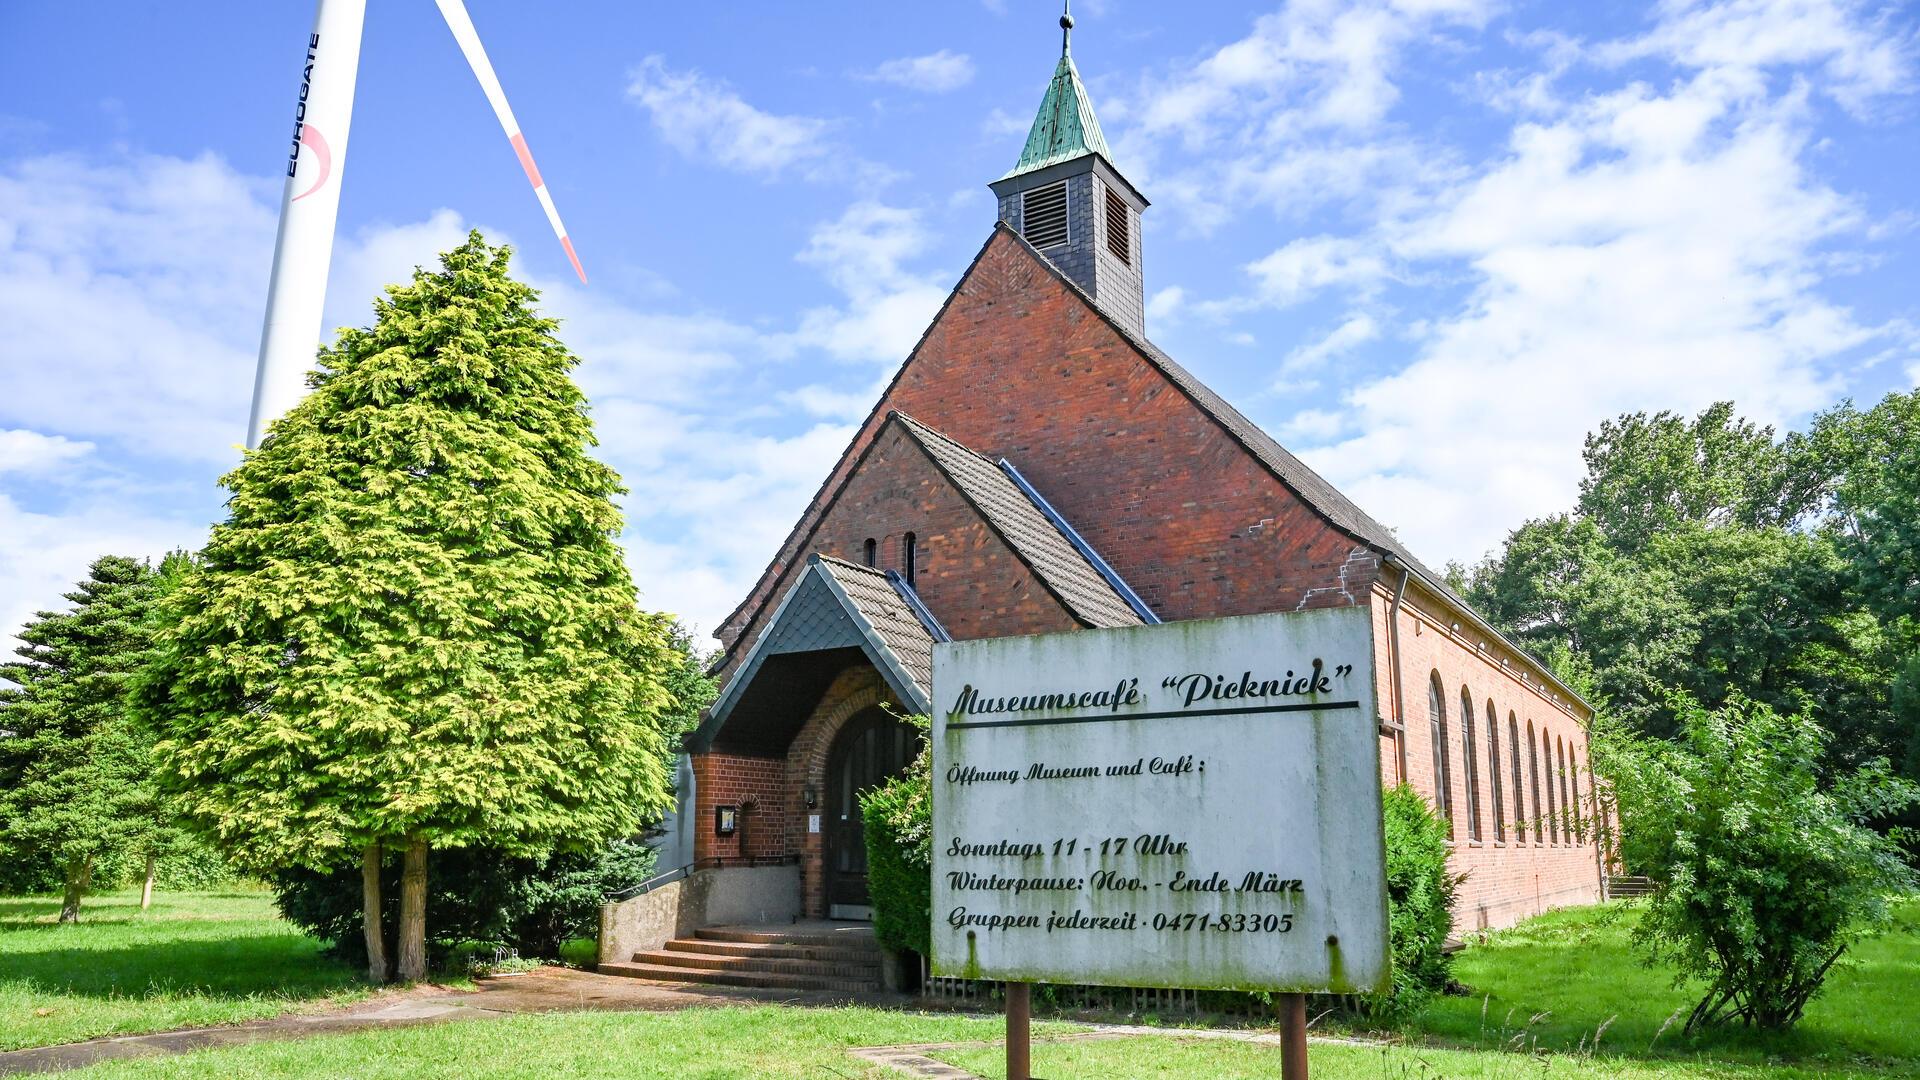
x,y
888,614
1052,557
1065,127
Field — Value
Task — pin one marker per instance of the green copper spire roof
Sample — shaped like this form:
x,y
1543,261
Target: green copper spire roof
x,y
1066,127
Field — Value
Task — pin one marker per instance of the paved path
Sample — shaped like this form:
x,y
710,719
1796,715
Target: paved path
x,y
543,991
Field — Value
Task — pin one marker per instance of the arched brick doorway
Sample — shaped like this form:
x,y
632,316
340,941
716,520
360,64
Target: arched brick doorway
x,y
868,749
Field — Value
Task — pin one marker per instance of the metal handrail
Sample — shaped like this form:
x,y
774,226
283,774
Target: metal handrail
x,y
714,862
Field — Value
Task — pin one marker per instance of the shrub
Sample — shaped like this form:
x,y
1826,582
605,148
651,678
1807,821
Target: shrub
x,y
532,905
1420,895
1767,872
897,820
580,952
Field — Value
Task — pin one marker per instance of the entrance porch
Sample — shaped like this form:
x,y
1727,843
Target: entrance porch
x,y
808,721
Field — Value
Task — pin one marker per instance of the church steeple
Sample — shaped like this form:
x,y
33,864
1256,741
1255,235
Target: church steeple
x,y
1067,199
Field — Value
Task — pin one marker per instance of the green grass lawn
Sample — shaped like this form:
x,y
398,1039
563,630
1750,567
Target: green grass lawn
x,y
1553,982
803,1042
192,959
767,1041
1574,970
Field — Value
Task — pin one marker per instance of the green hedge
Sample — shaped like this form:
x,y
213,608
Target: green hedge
x,y
1420,896
898,825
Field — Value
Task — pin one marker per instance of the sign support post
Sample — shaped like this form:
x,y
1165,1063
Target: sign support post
x,y
1019,1031
1293,1037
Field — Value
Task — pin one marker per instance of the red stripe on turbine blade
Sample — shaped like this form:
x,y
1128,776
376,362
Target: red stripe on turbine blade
x,y
567,243
526,158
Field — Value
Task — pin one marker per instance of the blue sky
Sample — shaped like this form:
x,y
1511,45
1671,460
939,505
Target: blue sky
x,y
1426,243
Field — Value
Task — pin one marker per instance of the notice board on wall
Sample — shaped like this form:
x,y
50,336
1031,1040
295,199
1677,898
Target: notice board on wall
x,y
1192,804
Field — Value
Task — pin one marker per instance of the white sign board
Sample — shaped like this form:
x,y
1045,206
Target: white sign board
x,y
1195,804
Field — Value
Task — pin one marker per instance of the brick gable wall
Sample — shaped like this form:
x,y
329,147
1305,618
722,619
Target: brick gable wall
x,y
1018,366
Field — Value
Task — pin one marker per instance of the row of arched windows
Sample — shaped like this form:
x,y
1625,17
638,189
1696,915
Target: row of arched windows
x,y
1553,810
909,556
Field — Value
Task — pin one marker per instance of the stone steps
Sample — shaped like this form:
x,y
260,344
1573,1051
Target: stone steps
x,y
824,958
1624,886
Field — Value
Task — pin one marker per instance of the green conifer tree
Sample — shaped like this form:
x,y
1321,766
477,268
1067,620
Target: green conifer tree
x,y
75,778
415,629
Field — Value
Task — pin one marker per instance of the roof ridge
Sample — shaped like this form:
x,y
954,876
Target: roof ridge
x,y
821,556
923,426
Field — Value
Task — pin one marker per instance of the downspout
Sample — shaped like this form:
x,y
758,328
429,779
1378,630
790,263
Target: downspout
x,y
1393,663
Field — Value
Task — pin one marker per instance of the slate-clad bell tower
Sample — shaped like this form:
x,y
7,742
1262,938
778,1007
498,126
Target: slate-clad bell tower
x,y
1066,198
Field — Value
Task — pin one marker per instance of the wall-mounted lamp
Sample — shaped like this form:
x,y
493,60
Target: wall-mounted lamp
x,y
811,797
726,820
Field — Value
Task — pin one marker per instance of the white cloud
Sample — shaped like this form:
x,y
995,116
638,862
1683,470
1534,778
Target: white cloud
x,y
1306,266
131,290
1294,117
935,73
707,120
1312,426
1858,54
1166,303
863,253
132,286
1633,244
1356,331
42,555
23,451
1642,250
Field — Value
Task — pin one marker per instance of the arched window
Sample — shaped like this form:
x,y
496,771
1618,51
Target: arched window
x,y
1566,804
1553,804
1579,804
909,557
872,551
1533,774
1519,787
1442,776
1493,772
1470,764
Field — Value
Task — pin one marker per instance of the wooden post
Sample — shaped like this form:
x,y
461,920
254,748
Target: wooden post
x,y
1293,1037
1019,1031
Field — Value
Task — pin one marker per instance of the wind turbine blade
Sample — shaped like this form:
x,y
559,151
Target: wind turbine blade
x,y
458,21
316,157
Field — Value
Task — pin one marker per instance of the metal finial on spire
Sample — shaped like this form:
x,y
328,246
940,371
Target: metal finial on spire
x,y
1066,26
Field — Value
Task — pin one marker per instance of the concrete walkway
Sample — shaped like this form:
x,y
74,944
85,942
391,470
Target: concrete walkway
x,y
543,991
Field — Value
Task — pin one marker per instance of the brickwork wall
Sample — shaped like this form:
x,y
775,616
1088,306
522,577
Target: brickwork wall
x,y
736,780
1019,367
1511,875
968,576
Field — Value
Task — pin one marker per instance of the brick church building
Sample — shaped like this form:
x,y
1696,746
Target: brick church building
x,y
1038,464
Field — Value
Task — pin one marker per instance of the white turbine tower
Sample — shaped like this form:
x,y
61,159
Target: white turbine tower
x,y
310,204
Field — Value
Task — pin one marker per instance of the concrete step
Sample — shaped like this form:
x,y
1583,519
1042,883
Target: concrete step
x,y
761,950
861,938
760,979
710,962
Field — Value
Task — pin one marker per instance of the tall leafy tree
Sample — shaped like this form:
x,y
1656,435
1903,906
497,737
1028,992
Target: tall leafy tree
x,y
415,630
75,777
1708,557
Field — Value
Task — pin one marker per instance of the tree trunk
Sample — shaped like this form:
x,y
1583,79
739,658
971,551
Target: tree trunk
x,y
77,880
413,912
370,913
146,885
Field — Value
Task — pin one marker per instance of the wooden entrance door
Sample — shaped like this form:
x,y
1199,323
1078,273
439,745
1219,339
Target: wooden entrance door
x,y
870,749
